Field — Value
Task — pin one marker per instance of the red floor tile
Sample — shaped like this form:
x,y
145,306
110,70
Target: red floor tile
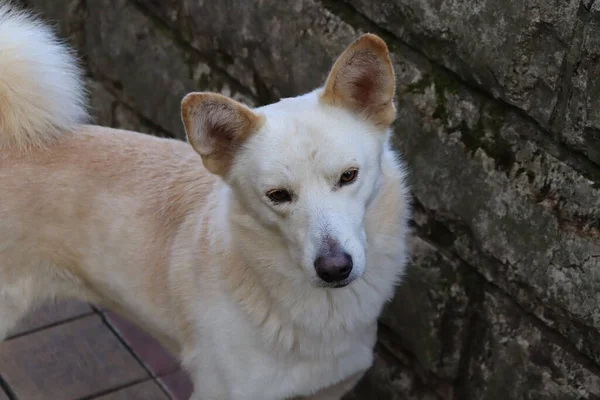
x,y
156,358
51,313
178,384
148,390
68,361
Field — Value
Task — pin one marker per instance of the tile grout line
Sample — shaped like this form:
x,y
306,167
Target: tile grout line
x,y
115,389
49,326
131,351
5,388
165,388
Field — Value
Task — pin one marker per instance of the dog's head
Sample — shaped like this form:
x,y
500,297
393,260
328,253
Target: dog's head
x,y
306,168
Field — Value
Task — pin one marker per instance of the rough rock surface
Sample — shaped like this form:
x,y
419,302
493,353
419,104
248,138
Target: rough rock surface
x,y
500,124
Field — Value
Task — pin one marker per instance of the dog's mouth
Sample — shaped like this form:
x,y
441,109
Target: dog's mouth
x,y
336,285
339,285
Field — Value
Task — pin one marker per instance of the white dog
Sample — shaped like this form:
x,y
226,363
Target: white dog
x,y
261,252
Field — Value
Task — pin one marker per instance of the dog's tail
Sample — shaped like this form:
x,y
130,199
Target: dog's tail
x,y
41,90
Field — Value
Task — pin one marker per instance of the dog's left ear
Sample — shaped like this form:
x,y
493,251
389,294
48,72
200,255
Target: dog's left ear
x,y
362,80
216,126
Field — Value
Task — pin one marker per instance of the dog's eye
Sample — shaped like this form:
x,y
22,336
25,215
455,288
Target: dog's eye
x,y
348,176
279,196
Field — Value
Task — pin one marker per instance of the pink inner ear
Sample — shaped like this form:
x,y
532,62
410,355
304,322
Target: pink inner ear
x,y
364,90
362,76
362,80
221,132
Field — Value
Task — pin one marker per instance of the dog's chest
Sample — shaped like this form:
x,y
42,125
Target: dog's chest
x,y
279,375
252,370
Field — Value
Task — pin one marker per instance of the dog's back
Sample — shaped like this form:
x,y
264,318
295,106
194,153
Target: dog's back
x,y
74,198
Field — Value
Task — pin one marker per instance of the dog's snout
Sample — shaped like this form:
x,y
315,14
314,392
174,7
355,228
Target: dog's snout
x,y
334,267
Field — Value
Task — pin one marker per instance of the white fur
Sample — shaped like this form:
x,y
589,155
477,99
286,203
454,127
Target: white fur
x,y
41,93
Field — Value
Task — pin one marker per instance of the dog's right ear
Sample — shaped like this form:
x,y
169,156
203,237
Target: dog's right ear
x,y
216,126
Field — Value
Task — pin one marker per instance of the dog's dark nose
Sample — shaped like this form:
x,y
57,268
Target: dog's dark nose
x,y
334,267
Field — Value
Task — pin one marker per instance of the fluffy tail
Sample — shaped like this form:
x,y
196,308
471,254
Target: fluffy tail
x,y
41,90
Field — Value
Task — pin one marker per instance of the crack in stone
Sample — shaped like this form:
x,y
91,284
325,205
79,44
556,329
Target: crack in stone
x,y
569,64
187,47
560,315
113,88
564,342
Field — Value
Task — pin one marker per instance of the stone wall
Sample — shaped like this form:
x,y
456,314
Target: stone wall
x,y
499,119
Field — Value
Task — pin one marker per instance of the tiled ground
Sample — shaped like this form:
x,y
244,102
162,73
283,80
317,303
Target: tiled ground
x,y
70,351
